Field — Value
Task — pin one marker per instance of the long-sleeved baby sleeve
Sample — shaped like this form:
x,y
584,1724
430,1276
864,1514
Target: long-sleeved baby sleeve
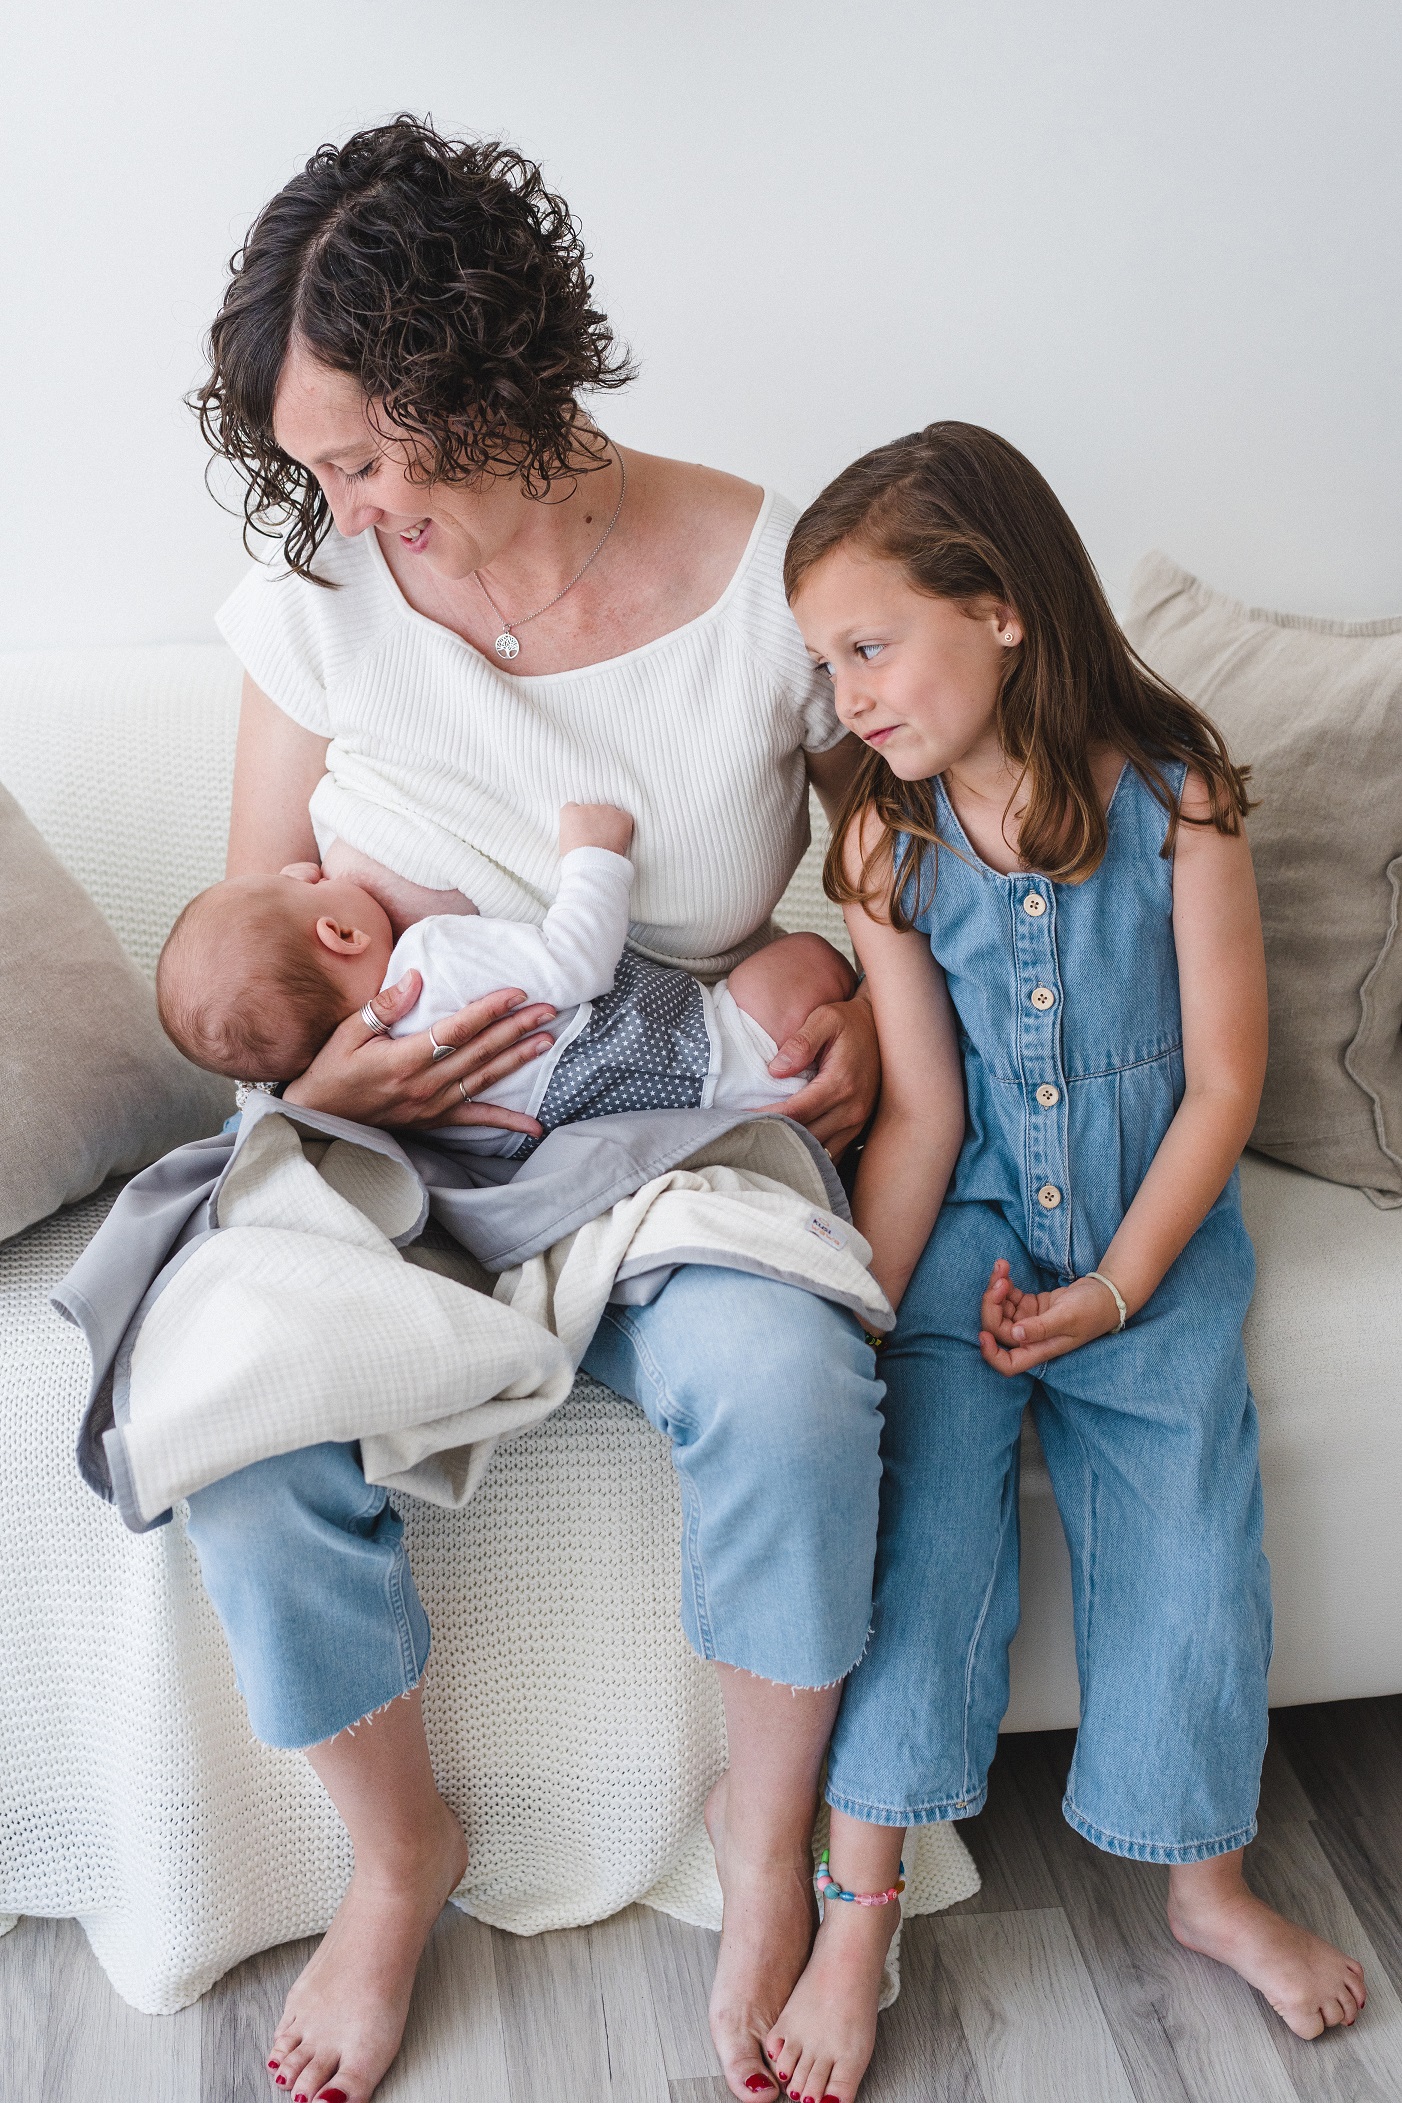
x,y
571,957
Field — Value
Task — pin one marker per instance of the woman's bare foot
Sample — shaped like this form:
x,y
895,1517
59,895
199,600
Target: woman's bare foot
x,y
1311,1985
766,1931
345,2015
822,2043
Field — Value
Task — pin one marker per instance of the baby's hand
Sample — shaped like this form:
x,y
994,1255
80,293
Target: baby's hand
x,y
595,825
1019,1330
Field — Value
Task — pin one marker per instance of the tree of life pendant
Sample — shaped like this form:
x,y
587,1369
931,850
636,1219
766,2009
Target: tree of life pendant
x,y
506,645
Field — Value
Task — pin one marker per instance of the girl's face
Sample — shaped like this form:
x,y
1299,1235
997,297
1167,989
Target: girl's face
x,y
322,420
914,676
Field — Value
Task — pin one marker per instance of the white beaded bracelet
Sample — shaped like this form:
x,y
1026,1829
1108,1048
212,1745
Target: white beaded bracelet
x,y
1114,1291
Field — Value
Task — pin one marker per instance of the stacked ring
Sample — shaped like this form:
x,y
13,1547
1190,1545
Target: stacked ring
x,y
372,1020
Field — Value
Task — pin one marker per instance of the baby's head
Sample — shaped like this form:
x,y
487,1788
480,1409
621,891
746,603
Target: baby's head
x,y
258,971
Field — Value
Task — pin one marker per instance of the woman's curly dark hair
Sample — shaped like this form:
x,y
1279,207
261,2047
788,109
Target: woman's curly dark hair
x,y
449,282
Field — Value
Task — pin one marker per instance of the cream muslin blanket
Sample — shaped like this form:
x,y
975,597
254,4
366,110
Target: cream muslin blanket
x,y
297,1319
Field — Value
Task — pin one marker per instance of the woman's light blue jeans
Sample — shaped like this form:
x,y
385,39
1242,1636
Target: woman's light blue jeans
x,y
770,1400
1150,1440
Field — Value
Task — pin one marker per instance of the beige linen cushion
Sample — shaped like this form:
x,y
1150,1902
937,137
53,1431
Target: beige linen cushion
x,y
1315,708
93,1087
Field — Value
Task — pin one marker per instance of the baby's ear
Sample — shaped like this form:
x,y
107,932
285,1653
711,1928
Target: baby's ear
x,y
342,941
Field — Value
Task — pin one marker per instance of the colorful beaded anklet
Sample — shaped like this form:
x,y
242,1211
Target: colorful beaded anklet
x,y
828,1887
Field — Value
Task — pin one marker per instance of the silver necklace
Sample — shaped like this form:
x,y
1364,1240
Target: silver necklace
x,y
506,644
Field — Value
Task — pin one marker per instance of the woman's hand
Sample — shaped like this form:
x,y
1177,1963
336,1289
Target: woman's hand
x,y
378,1080
840,1040
1019,1330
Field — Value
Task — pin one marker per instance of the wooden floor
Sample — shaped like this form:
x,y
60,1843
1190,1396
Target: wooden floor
x,y
1057,1984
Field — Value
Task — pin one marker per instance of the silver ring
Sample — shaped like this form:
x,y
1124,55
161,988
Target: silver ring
x,y
372,1021
462,1091
440,1051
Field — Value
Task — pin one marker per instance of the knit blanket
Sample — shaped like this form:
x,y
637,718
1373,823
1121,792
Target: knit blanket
x,y
295,1317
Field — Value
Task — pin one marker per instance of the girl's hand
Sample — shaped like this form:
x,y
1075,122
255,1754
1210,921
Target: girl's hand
x,y
1019,1330
840,1040
378,1080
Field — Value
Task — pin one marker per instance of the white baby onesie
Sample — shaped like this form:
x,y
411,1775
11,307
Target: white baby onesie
x,y
570,960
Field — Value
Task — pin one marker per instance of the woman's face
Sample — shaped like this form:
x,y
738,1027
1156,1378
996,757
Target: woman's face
x,y
915,676
323,420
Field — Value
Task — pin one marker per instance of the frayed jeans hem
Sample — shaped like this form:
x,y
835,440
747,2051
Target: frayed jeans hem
x,y
1173,1853
710,1655
942,1813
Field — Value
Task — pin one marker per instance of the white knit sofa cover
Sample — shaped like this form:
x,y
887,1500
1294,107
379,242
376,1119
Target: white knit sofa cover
x,y
570,1725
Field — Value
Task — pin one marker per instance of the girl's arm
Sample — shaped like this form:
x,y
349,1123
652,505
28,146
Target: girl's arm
x,y
914,1143
1222,990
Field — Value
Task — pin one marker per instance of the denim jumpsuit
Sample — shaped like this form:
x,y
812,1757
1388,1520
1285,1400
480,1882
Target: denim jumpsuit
x,y
1067,997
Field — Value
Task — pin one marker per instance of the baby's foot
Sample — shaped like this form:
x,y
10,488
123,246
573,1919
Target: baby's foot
x,y
766,1931
822,2042
1311,1985
345,2015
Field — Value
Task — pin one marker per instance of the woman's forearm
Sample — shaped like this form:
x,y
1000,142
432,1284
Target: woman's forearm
x,y
904,1173
1186,1177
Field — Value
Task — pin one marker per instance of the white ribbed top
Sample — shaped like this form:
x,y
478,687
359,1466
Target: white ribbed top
x,y
453,772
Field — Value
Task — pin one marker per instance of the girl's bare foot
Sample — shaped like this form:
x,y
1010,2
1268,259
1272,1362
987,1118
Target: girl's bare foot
x,y
766,1931
1311,1985
346,2012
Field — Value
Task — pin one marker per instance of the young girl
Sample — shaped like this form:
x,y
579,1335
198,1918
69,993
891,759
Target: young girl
x,y
1045,875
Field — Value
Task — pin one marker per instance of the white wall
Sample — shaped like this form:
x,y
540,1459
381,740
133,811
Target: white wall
x,y
1156,245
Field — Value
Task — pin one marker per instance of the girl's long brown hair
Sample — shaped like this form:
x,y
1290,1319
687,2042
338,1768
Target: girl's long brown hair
x,y
969,518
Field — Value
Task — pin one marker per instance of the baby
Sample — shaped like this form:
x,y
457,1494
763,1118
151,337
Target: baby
x,y
260,970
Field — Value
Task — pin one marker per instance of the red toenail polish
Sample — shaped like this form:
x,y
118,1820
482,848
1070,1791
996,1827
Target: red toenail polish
x,y
332,2095
756,2082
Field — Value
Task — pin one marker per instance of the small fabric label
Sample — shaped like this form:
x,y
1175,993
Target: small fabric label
x,y
826,1231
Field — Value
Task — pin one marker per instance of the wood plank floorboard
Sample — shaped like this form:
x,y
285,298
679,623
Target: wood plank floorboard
x,y
553,2016
681,1963
1057,1983
455,2042
97,2046
922,2054
1365,1855
237,2019
1035,2028
1184,2028
1290,1870
26,1965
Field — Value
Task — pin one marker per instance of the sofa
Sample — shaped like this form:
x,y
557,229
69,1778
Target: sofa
x,y
570,1725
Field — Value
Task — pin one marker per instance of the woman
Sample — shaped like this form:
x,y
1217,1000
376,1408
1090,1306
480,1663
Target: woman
x,y
522,613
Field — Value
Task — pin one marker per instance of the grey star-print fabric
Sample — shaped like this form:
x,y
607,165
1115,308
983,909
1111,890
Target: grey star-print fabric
x,y
645,1047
